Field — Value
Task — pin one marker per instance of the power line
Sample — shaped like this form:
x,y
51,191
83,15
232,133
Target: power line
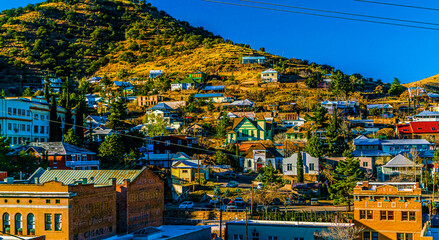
x,y
399,5
322,15
343,13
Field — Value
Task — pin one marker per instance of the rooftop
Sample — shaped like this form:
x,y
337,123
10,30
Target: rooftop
x,y
291,223
207,95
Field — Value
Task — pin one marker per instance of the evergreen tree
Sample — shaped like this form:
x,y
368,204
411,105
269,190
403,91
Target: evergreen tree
x,y
346,175
118,114
341,84
300,176
319,116
71,138
3,94
54,125
68,120
47,88
314,146
111,151
80,111
223,123
396,88
27,92
336,142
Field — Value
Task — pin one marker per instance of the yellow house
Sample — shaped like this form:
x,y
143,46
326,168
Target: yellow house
x,y
184,171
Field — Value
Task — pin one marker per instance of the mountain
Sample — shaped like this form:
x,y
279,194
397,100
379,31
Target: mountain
x,y
123,40
429,83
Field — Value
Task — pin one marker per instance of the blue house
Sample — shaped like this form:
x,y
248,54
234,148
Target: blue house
x,y
249,60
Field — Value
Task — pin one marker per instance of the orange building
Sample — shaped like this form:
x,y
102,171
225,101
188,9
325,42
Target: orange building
x,y
388,211
82,204
58,211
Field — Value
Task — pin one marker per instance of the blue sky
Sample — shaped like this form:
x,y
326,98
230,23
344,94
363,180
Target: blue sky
x,y
373,50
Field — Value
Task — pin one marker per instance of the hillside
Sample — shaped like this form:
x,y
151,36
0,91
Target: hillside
x,y
429,83
83,38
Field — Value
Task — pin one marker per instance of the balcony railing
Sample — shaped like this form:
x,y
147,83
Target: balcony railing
x,y
402,171
82,163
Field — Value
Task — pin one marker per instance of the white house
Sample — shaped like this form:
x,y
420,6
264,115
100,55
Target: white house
x,y
260,156
270,75
25,120
310,164
155,73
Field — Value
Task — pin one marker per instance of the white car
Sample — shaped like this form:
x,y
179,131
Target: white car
x,y
186,205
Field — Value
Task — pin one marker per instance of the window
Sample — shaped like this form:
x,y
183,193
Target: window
x,y
289,167
28,128
404,236
179,142
47,200
9,111
386,215
255,235
6,222
36,116
365,164
58,222
47,221
244,133
18,224
272,238
42,130
9,126
35,129
366,236
184,171
366,214
57,201
408,216
249,163
28,113
30,224
14,111
311,166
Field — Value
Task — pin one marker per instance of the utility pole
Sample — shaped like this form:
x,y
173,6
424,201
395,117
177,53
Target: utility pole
x,y
221,217
246,224
251,204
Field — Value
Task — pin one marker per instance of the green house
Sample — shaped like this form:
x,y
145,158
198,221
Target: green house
x,y
245,129
295,134
198,75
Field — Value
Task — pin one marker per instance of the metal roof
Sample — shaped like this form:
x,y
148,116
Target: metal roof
x,y
259,57
207,95
369,153
379,106
405,142
368,141
161,106
59,148
214,88
399,161
245,102
427,113
97,177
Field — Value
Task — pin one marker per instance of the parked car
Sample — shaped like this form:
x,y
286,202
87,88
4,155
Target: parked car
x,y
228,175
273,209
232,184
239,201
276,201
260,186
314,201
186,205
226,201
260,208
231,207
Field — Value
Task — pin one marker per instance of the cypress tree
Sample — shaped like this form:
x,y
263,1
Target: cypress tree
x,y
53,125
300,177
80,110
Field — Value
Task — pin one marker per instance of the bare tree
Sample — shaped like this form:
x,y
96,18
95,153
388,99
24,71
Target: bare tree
x,y
339,232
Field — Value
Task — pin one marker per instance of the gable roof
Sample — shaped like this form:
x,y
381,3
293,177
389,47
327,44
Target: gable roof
x,y
207,95
399,161
270,151
237,121
426,113
214,88
379,106
419,127
98,177
244,102
161,106
58,148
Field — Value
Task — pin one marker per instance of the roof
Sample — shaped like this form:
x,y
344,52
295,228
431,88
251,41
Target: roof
x,y
254,57
187,163
207,95
419,127
244,102
58,148
237,121
214,88
98,177
369,153
381,105
270,70
270,151
100,131
122,84
404,142
155,71
367,141
399,161
161,106
188,80
426,113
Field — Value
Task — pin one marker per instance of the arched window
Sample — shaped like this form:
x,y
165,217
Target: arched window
x,y
18,224
6,222
249,163
30,224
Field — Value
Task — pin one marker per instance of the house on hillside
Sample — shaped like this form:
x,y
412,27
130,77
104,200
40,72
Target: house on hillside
x,y
343,107
398,166
426,116
218,89
150,100
244,129
385,110
295,134
64,156
196,130
418,130
253,59
186,84
93,121
186,171
292,119
155,73
259,156
310,165
270,75
198,75
98,134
